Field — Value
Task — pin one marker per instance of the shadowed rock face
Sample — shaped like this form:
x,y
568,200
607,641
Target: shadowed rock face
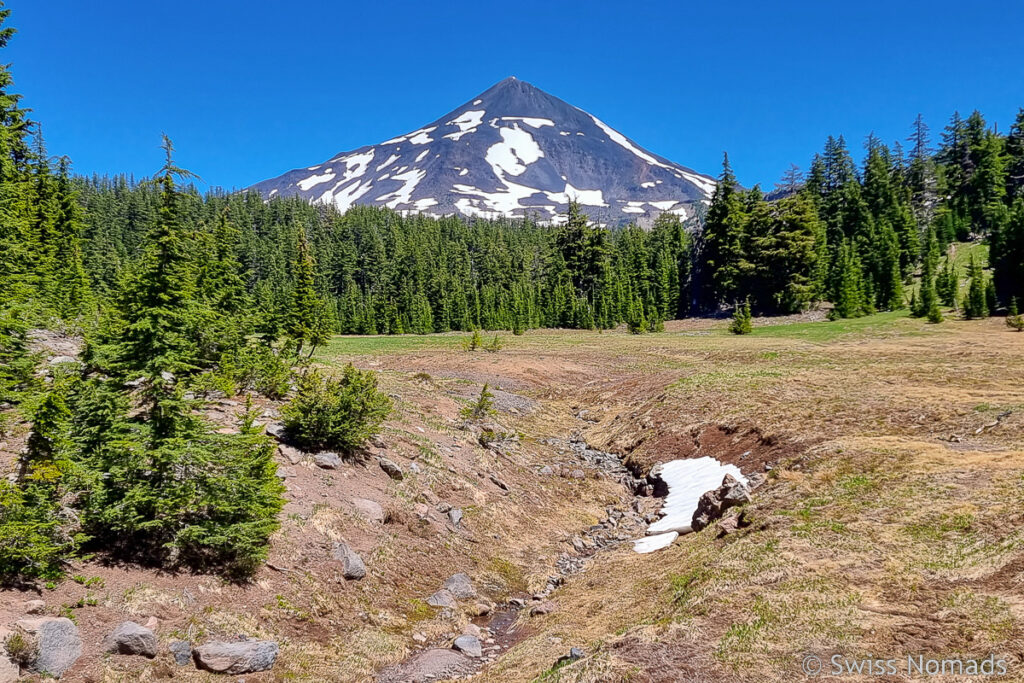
x,y
513,150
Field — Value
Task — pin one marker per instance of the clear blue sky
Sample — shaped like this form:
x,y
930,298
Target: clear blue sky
x,y
248,90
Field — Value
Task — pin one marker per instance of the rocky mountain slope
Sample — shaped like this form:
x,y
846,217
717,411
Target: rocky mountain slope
x,y
514,150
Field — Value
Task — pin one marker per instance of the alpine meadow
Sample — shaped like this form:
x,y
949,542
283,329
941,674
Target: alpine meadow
x,y
510,397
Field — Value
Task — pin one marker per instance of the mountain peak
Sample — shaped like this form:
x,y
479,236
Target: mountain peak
x,y
514,150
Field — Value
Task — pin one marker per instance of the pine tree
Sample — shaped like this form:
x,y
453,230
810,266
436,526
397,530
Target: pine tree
x,y
1014,320
307,318
722,242
850,301
975,305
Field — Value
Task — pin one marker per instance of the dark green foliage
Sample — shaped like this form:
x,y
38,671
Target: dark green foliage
x,y
741,319
339,414
850,298
1014,320
975,304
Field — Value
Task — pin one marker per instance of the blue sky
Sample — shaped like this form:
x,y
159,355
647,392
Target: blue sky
x,y
248,90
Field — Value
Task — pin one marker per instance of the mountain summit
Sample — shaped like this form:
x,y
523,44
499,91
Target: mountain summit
x,y
514,150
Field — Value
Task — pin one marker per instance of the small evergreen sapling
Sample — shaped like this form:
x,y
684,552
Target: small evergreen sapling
x,y
1014,320
340,414
741,319
481,407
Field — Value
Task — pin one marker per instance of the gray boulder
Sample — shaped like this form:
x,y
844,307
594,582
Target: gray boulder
x,y
327,461
391,469
369,509
352,565
455,516
713,504
131,639
245,657
59,645
181,650
461,586
442,598
470,645
276,430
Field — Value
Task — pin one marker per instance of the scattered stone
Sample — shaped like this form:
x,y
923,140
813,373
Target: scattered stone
x,y
727,526
352,565
455,516
59,645
461,586
328,460
546,471
713,504
9,671
471,629
574,654
369,509
391,469
415,468
498,482
755,480
284,473
181,650
236,658
35,606
294,455
517,602
470,645
61,360
427,496
131,639
577,474
429,665
546,607
442,598
419,638
276,430
480,609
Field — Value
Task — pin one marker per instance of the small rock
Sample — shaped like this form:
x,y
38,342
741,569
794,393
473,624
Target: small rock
x,y
546,471
577,474
498,482
480,609
369,509
471,629
469,644
131,639
427,496
755,480
59,645
181,650
546,607
517,602
377,442
236,658
276,430
35,606
455,516
429,665
574,654
442,598
294,455
461,586
352,565
391,469
328,460
727,526
415,468
419,638
60,360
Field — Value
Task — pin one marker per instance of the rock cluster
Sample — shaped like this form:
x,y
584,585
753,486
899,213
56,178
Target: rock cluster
x,y
713,504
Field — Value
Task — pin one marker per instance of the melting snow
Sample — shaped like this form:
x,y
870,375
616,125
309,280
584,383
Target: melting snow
x,y
467,122
420,136
650,184
652,543
402,195
476,102
664,206
345,198
687,481
514,153
564,132
356,165
312,180
533,121
391,159
425,203
421,155
588,197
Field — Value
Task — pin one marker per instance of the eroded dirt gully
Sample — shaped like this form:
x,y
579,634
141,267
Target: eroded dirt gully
x,y
523,503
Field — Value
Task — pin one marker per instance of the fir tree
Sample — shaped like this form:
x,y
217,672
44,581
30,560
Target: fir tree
x,y
975,305
741,319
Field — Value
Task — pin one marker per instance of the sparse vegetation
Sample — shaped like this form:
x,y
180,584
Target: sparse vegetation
x,y
480,407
